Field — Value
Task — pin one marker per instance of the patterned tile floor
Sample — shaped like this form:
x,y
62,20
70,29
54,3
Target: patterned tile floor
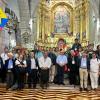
x,y
49,94
54,92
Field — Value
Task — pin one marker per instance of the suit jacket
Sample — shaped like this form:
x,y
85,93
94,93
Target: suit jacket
x,y
28,61
88,63
98,54
1,62
73,67
7,62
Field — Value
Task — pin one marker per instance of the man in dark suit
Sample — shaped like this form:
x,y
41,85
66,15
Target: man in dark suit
x,y
9,65
74,68
84,66
32,70
1,66
4,58
98,51
76,45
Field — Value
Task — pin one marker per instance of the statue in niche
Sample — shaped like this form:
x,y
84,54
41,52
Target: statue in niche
x,y
83,35
78,36
61,20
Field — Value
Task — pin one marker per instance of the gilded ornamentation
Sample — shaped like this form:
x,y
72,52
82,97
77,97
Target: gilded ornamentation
x,y
68,19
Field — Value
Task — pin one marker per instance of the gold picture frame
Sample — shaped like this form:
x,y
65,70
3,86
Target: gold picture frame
x,y
69,9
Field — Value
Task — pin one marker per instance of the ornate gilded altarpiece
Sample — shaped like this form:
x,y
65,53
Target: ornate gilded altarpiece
x,y
67,19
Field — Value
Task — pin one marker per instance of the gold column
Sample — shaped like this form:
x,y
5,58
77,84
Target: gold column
x,y
52,24
38,25
43,23
81,18
87,20
84,21
40,22
74,22
77,24
71,11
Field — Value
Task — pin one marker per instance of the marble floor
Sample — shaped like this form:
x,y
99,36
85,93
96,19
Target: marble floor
x,y
52,93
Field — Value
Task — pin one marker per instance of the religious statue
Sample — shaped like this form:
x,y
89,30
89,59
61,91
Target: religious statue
x,y
62,45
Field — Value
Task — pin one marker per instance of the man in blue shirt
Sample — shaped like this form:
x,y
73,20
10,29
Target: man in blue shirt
x,y
9,65
39,53
83,71
61,62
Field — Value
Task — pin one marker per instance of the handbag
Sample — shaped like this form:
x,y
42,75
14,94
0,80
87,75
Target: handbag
x,y
66,69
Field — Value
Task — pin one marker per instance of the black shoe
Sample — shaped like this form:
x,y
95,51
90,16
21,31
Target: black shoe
x,y
29,87
7,88
85,89
59,83
95,89
45,87
19,89
92,90
81,89
63,83
42,86
34,86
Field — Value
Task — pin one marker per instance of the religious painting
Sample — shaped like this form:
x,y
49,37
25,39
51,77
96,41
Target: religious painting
x,y
61,20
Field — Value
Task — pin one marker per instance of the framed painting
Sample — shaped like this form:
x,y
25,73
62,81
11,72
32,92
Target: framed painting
x,y
61,21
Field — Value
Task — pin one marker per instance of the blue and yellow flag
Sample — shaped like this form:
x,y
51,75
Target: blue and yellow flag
x,y
3,19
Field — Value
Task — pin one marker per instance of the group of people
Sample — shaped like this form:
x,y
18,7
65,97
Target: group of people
x,y
16,67
49,66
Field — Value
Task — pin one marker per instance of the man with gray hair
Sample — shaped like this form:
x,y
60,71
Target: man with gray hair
x,y
84,65
44,64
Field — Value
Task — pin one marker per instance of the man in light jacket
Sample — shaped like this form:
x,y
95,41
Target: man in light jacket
x,y
94,71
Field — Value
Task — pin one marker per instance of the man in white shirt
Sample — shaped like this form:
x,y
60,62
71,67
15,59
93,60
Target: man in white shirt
x,y
44,64
4,57
21,71
32,70
61,62
94,71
